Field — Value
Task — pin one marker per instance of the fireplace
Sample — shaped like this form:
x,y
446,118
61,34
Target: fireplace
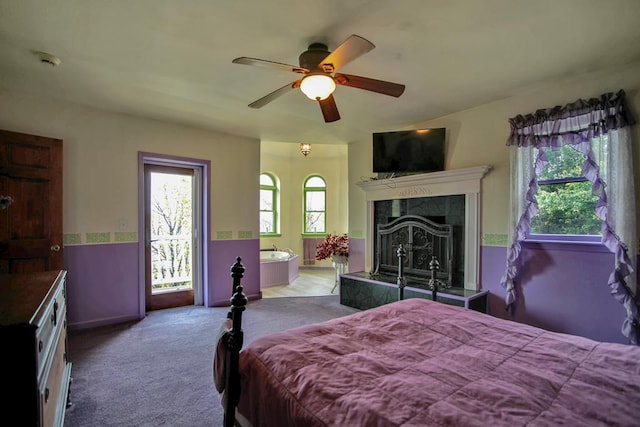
x,y
434,227
449,198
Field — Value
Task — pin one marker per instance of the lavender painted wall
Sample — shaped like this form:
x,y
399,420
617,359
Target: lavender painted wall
x,y
356,254
102,284
103,287
222,255
562,290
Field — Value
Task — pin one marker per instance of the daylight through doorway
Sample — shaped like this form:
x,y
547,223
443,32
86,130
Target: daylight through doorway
x,y
170,230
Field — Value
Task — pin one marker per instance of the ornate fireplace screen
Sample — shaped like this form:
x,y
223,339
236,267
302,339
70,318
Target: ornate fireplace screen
x,y
422,239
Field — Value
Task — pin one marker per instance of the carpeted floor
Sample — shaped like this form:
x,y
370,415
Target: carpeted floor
x,y
158,371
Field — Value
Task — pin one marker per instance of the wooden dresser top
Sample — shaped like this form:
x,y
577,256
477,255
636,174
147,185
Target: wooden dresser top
x,y
22,294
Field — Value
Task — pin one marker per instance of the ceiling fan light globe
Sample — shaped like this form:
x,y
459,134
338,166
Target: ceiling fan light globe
x,y
317,86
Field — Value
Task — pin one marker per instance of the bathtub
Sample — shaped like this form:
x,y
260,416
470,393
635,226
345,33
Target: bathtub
x,y
267,256
277,268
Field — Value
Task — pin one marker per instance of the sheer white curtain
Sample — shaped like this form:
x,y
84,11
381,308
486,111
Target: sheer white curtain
x,y
621,209
522,176
598,128
621,215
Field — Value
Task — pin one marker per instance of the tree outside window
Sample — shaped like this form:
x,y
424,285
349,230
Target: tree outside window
x,y
171,230
315,194
565,197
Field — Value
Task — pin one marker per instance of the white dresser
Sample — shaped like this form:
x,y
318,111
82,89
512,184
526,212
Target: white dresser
x,y
33,359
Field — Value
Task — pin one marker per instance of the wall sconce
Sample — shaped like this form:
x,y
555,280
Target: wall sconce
x,y
305,149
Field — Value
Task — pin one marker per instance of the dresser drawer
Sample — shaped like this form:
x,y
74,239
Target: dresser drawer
x,y
52,320
54,384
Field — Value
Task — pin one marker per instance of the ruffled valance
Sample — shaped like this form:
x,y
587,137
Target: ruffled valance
x,y
575,122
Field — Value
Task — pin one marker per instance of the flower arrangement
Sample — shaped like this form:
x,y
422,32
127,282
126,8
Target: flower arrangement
x,y
5,202
332,245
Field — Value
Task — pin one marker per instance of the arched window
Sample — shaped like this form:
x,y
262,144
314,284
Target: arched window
x,y
315,196
269,203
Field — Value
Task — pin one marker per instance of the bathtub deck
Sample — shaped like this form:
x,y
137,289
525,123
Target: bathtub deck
x,y
310,282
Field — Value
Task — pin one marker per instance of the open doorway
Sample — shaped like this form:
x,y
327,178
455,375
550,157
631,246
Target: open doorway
x,y
172,205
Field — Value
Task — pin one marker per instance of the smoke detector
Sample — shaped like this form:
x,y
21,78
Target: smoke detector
x,y
47,58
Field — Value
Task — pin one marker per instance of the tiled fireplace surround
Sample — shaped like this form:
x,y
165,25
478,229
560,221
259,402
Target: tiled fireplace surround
x,y
453,196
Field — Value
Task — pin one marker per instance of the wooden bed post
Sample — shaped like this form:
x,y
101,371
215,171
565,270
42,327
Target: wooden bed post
x,y
402,282
238,305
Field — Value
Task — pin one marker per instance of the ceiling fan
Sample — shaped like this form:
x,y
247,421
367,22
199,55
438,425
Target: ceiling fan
x,y
319,67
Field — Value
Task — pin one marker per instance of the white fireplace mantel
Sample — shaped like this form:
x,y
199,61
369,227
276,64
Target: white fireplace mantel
x,y
445,183
458,181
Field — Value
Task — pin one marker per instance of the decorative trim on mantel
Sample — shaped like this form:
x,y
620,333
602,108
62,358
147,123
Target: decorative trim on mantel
x,y
459,181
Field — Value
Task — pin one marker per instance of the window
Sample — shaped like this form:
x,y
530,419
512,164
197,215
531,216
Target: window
x,y
546,182
565,198
315,196
268,204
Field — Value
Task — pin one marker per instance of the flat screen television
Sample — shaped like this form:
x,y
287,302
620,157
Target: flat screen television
x,y
410,151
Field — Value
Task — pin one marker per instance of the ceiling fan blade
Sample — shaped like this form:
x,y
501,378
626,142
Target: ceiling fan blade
x,y
353,47
373,85
269,64
329,109
275,94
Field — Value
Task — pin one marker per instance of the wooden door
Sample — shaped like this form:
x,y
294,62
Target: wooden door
x,y
31,227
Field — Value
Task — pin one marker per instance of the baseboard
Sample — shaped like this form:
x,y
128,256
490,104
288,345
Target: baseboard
x,y
102,322
227,303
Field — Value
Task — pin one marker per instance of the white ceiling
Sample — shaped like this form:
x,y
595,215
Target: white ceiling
x,y
171,59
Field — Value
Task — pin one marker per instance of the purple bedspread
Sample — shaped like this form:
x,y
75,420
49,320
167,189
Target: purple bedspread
x,y
420,363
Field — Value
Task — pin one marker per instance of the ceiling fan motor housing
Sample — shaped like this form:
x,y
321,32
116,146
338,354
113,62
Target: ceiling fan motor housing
x,y
313,56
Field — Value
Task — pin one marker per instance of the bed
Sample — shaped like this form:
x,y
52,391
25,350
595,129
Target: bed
x,y
416,362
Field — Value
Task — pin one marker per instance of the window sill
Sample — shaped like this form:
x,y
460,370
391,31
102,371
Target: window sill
x,y
270,235
564,245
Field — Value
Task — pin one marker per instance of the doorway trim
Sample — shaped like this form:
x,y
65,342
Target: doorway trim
x,y
201,167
